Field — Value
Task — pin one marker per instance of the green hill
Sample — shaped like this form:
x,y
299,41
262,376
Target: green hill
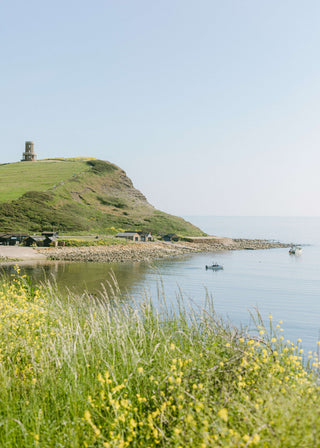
x,y
78,195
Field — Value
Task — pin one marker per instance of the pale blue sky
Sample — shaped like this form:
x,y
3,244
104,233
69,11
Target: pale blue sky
x,y
211,107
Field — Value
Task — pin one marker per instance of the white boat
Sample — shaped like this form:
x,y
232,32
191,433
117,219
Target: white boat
x,y
295,250
215,267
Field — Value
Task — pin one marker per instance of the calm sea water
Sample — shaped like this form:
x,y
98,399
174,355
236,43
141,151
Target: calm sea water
x,y
288,287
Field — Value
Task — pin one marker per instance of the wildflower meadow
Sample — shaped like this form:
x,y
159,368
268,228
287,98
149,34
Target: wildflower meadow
x,y
83,371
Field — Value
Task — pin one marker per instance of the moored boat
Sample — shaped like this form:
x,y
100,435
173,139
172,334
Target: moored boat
x,y
295,250
215,267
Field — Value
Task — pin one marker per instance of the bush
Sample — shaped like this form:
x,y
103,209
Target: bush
x,y
101,167
113,201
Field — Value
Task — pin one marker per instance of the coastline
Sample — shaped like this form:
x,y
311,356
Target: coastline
x,y
135,252
132,252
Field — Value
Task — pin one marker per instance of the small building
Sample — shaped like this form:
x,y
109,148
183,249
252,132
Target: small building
x,y
49,234
133,236
6,240
50,241
29,155
170,237
35,240
145,236
12,239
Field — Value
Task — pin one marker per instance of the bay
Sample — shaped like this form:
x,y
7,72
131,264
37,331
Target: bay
x,y
272,281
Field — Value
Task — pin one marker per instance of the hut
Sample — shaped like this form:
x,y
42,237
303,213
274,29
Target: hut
x,y
49,234
170,237
50,241
133,236
5,239
145,236
34,241
12,239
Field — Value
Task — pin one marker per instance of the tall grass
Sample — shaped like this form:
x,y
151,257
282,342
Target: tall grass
x,y
88,372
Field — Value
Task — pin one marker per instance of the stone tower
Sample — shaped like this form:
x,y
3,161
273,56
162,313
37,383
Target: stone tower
x,y
29,155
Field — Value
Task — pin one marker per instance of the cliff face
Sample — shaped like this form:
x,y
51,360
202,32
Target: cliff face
x,y
86,195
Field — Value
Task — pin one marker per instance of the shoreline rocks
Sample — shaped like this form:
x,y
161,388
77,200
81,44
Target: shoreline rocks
x,y
135,252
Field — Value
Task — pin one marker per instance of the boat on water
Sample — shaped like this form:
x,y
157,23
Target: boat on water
x,y
215,266
295,250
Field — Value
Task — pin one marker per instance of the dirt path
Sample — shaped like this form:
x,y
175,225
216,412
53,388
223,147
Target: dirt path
x,y
8,253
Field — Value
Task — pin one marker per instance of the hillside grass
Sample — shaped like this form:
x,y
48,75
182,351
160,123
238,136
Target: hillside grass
x,y
78,195
17,179
83,241
88,372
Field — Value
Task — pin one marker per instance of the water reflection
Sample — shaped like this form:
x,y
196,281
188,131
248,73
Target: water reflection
x,y
271,281
80,277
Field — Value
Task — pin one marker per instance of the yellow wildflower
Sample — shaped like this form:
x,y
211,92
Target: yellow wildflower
x,y
255,438
223,414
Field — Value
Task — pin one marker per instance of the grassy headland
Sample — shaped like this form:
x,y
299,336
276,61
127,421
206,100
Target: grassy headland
x,y
78,195
80,372
19,178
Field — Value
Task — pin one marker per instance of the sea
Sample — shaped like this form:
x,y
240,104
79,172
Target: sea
x,y
269,282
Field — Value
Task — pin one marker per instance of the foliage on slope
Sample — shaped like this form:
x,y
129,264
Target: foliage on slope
x,y
96,197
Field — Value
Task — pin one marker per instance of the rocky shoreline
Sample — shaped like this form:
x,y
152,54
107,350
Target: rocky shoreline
x,y
134,252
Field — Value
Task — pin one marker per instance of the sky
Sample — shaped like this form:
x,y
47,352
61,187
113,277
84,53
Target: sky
x,y
211,107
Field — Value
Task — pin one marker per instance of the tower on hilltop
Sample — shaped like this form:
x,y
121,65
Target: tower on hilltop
x,y
29,155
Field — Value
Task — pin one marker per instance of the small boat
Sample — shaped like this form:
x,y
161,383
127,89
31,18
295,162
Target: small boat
x,y
295,250
215,267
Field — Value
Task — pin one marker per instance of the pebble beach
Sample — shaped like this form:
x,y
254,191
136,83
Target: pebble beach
x,y
131,252
154,250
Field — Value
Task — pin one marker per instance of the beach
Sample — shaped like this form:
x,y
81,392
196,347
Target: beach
x,y
19,253
133,251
